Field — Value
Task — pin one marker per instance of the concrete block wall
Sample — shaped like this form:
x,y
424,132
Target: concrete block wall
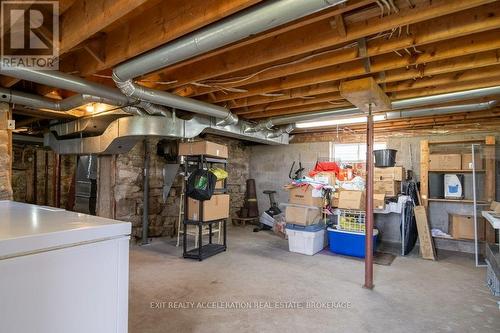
x,y
269,165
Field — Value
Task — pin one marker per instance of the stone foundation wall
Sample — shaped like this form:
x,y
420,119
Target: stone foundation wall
x,y
163,216
5,154
23,169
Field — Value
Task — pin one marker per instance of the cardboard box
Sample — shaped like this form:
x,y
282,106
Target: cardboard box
x,y
325,176
302,215
203,148
305,195
495,206
445,162
379,201
214,209
390,188
390,173
219,184
352,200
467,162
462,227
335,199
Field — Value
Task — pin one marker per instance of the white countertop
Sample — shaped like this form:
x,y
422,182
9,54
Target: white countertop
x,y
491,217
26,228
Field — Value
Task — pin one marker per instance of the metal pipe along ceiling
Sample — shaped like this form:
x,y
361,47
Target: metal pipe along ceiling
x,y
254,20
406,103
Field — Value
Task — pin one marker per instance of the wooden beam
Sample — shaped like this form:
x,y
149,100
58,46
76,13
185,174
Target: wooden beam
x,y
365,92
291,98
300,109
156,26
330,97
320,36
461,86
87,17
385,63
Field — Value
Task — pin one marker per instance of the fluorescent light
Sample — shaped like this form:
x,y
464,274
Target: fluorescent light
x,y
341,121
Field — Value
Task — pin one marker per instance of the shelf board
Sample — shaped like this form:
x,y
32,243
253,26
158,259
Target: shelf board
x,y
459,239
456,171
457,200
456,142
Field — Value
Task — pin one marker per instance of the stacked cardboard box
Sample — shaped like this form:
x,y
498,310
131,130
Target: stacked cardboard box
x,y
214,209
462,227
445,162
387,181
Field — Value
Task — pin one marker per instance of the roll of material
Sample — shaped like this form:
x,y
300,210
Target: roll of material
x,y
251,199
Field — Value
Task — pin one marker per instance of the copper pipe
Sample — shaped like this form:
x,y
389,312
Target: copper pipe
x,y
369,202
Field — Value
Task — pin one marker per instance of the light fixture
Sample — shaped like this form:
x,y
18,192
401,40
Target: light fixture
x,y
341,121
90,108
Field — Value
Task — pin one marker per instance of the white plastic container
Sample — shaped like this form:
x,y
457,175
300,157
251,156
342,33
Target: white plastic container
x,y
305,242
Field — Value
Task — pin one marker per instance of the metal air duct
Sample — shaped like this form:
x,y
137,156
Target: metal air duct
x,y
246,23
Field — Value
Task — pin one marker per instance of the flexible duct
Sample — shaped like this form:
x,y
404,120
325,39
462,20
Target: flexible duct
x,y
401,104
254,20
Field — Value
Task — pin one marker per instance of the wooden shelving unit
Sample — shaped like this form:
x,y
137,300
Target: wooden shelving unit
x,y
488,171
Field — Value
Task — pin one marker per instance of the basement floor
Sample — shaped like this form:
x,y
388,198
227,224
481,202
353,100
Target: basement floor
x,y
411,295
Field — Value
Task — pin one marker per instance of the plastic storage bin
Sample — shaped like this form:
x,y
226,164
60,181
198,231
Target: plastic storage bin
x,y
492,280
305,242
349,243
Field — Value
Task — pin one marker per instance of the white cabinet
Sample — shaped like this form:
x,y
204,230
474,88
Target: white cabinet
x,y
62,271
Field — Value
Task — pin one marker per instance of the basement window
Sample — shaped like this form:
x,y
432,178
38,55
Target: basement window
x,y
351,152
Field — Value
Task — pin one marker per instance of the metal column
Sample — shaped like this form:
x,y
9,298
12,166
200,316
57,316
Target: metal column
x,y
369,202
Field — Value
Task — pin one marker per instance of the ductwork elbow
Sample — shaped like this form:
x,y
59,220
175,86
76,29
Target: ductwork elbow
x,y
231,119
261,126
134,111
280,131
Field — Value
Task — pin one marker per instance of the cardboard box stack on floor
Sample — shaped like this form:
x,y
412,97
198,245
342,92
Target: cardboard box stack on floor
x,y
303,213
218,205
387,184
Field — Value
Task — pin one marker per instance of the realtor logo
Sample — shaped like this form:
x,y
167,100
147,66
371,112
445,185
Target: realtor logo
x,y
30,34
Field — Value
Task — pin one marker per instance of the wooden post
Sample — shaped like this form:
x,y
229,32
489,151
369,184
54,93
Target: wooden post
x,y
369,203
5,153
424,172
489,181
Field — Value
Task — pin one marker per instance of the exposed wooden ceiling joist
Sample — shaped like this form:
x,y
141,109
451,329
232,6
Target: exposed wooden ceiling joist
x,y
310,38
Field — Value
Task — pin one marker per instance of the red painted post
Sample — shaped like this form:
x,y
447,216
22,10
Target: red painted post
x,y
369,203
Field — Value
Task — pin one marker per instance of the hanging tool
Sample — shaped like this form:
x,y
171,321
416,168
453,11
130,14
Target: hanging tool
x,y
297,174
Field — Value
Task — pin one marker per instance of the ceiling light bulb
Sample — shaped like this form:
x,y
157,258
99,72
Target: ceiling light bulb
x,y
89,108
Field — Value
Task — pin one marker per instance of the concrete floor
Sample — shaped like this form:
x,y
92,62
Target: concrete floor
x,y
411,295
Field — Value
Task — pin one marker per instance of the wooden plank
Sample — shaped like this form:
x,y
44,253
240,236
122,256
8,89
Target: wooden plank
x,y
332,97
321,36
87,17
490,166
424,171
427,250
364,92
105,189
165,22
